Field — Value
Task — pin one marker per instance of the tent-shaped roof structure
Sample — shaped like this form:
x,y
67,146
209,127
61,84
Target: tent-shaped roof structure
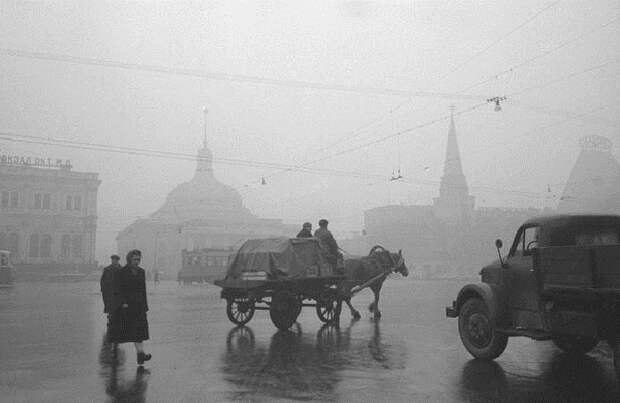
x,y
280,258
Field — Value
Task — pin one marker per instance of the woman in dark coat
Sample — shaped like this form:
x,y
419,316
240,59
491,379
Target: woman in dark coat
x,y
129,323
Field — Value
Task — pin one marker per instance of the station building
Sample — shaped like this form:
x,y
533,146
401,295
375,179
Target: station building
x,y
48,215
201,214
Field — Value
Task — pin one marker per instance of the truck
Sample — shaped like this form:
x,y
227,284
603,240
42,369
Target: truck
x,y
560,281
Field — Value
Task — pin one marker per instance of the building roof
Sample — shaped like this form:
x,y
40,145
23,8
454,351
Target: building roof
x,y
594,182
558,220
203,197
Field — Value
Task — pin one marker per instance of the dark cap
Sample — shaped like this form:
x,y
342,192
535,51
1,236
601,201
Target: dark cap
x,y
307,224
115,257
323,222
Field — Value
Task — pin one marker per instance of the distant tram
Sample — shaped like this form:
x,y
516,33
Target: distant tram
x,y
204,265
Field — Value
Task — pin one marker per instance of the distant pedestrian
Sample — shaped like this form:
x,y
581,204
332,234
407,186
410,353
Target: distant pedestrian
x,y
107,285
306,231
129,322
156,277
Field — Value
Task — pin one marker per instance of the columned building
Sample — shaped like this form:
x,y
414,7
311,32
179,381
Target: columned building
x,y
48,216
200,213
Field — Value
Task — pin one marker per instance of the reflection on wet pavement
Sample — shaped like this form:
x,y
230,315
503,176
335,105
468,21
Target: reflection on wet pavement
x,y
119,389
53,351
563,378
302,365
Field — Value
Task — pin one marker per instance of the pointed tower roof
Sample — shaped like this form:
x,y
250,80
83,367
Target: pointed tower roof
x,y
454,203
452,164
594,182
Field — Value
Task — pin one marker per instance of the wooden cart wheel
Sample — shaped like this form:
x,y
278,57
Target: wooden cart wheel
x,y
328,308
239,310
284,309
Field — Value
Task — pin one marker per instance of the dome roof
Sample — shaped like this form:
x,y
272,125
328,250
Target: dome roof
x,y
203,197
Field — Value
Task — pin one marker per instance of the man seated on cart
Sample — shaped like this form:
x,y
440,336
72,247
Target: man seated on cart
x,y
329,246
306,231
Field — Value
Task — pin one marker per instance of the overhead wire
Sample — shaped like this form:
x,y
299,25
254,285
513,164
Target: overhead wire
x,y
159,69
499,39
178,71
540,55
41,140
356,132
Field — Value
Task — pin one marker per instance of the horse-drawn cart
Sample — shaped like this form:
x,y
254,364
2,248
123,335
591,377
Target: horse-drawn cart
x,y
281,275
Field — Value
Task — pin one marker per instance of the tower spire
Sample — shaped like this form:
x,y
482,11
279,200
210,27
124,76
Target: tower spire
x,y
454,203
452,164
204,166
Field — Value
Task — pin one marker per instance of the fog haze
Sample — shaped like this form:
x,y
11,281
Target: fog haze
x,y
266,68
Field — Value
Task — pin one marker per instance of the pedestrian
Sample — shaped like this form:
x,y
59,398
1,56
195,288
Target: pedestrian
x,y
306,231
107,285
328,243
129,323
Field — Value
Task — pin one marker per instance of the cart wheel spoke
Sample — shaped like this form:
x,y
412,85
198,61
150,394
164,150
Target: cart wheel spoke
x,y
240,310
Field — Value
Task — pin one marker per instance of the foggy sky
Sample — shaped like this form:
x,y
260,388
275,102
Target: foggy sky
x,y
431,46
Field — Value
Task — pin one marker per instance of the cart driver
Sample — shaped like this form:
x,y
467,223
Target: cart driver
x,y
306,231
328,243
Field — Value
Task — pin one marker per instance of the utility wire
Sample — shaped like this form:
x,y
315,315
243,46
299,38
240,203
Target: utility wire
x,y
540,55
566,77
498,40
226,76
40,140
358,131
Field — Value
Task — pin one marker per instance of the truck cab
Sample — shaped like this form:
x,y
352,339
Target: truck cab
x,y
560,281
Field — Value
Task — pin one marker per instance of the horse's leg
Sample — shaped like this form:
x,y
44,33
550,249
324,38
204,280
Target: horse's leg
x,y
376,289
356,315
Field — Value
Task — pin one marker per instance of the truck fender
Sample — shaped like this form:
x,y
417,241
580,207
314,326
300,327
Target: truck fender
x,y
490,294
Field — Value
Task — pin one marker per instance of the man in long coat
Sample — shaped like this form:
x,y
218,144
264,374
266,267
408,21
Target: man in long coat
x,y
107,285
328,243
129,323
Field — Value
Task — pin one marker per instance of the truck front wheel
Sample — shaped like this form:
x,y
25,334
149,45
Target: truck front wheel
x,y
477,331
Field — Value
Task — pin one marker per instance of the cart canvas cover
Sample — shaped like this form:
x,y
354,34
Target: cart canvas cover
x,y
279,258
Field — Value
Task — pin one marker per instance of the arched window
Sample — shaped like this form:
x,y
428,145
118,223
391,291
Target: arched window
x,y
34,245
46,246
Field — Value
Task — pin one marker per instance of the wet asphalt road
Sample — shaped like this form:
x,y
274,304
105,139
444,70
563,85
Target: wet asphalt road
x,y
52,350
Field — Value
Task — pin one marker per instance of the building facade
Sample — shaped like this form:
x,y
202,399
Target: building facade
x,y
198,214
48,216
452,237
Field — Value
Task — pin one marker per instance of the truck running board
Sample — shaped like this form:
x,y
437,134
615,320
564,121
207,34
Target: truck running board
x,y
533,334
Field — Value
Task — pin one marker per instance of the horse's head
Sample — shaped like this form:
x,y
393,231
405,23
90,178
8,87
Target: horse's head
x,y
395,261
399,263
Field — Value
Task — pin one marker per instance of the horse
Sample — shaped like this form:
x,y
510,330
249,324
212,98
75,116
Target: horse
x,y
377,265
